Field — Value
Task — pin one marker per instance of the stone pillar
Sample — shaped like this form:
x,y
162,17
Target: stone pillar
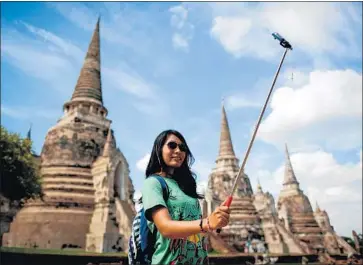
x,y
103,233
275,243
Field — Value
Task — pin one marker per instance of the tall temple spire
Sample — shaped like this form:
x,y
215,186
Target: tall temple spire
x,y
226,160
88,87
108,145
289,177
317,208
29,133
259,188
225,141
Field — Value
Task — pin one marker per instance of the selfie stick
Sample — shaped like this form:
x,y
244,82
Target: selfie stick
x,y
284,43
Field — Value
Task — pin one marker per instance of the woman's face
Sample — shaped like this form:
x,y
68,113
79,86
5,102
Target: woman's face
x,y
173,151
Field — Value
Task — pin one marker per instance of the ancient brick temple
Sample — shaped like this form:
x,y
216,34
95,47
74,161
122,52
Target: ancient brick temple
x,y
256,224
244,221
88,193
312,230
296,212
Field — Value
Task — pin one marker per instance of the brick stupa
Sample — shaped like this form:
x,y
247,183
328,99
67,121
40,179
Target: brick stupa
x,y
290,228
244,220
88,193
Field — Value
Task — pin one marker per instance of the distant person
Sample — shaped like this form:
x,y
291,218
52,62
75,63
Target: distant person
x,y
181,230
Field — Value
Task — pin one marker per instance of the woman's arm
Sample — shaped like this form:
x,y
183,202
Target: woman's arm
x,y
180,229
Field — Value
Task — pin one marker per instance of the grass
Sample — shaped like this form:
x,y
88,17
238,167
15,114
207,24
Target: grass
x,y
68,252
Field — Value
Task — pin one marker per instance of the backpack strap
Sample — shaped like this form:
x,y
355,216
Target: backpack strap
x,y
164,186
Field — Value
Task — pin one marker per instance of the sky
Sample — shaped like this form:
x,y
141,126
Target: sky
x,y
169,65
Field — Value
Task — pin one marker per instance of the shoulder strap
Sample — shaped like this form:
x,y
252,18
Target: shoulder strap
x,y
164,186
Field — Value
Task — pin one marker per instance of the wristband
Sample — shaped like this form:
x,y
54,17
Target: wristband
x,y
201,226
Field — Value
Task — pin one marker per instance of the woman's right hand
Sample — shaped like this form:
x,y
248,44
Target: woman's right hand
x,y
220,217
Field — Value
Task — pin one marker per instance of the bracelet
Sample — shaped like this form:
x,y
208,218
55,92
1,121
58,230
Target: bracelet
x,y
201,226
209,228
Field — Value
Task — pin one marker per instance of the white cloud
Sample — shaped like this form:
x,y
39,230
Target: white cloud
x,y
39,59
142,163
334,191
202,169
28,112
59,59
253,97
229,31
23,59
240,101
337,187
117,22
77,13
66,47
179,16
129,81
117,28
241,33
244,30
24,56
183,29
295,77
152,108
321,169
326,110
180,42
146,95
317,27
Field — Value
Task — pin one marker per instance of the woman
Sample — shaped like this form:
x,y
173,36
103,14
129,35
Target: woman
x,y
178,220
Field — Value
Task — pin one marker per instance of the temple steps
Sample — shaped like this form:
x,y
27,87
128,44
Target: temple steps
x,y
53,195
66,188
72,176
66,171
65,180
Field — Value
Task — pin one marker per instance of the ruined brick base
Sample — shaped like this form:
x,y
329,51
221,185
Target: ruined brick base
x,y
49,228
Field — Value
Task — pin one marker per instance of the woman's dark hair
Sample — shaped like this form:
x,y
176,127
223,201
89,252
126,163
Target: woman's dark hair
x,y
182,175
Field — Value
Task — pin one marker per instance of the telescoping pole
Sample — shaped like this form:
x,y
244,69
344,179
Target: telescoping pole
x,y
284,43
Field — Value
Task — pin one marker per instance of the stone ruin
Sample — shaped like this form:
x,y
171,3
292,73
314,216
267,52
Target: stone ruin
x,y
88,193
256,225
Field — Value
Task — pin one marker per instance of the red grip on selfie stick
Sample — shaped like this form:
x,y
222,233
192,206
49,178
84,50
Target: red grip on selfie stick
x,y
229,201
228,204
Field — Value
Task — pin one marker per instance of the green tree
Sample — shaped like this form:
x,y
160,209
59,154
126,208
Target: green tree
x,y
349,240
19,172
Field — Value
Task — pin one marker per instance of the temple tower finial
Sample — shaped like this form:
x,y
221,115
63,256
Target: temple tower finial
x,y
225,142
108,145
88,87
289,177
29,133
317,208
259,188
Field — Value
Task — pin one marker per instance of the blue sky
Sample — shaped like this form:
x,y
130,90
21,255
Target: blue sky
x,y
168,65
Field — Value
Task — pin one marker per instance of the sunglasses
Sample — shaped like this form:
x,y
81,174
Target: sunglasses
x,y
174,145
